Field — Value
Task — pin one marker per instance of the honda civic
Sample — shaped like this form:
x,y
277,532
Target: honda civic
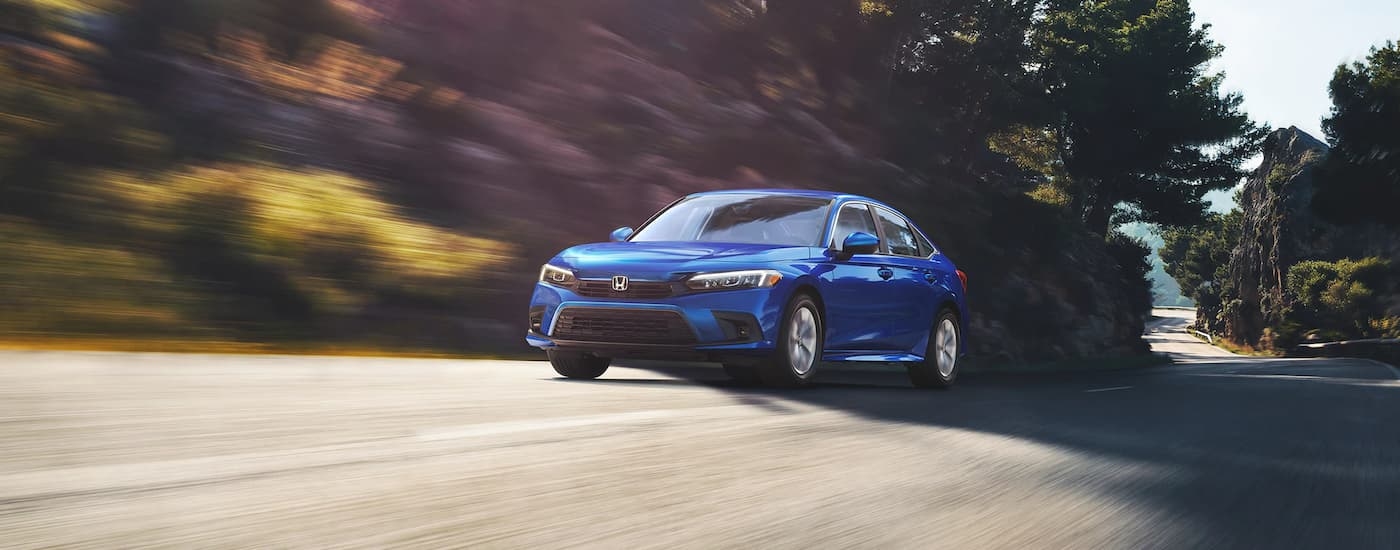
x,y
769,283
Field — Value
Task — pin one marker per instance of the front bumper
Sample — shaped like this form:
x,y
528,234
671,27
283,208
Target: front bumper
x,y
699,325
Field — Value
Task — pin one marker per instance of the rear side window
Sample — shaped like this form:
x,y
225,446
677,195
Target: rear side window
x,y
852,219
901,239
926,248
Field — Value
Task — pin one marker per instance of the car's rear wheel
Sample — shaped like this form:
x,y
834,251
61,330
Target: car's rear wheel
x,y
800,338
940,365
578,366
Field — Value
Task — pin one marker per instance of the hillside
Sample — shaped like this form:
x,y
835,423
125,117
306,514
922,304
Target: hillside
x,y
393,172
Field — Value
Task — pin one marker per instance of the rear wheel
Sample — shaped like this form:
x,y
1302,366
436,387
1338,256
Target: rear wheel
x,y
578,366
940,365
799,342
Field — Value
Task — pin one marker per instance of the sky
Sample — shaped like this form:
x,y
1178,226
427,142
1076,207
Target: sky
x,y
1281,54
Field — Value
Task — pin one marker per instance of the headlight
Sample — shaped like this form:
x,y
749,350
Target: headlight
x,y
556,276
731,280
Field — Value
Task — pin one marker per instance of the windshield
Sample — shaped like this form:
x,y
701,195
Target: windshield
x,y
746,219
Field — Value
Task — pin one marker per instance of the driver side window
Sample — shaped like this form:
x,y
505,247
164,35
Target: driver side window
x,y
853,218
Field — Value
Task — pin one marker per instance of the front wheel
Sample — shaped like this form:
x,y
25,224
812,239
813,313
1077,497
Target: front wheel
x,y
578,366
940,365
799,350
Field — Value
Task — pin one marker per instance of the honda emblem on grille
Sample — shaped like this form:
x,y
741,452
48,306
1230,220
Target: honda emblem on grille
x,y
619,283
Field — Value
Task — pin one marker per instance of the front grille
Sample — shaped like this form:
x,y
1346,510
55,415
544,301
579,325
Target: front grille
x,y
642,290
623,326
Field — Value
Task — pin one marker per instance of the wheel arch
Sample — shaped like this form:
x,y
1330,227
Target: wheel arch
x,y
808,286
952,306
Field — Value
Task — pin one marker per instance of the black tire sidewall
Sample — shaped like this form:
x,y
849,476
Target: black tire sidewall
x,y
578,366
957,337
778,372
925,374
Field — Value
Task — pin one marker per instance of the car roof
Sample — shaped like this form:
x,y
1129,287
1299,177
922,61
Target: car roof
x,y
814,193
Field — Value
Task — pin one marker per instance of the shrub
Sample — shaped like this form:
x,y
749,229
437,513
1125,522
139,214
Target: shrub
x,y
1340,299
51,285
296,251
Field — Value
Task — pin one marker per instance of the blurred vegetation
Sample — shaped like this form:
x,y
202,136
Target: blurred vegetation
x,y
117,222
51,285
295,253
394,171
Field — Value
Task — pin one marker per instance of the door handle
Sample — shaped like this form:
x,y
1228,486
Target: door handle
x,y
930,277
885,273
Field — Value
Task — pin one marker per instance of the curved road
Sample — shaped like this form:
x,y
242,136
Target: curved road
x,y
104,450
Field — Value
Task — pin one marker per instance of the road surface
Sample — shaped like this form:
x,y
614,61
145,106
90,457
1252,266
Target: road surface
x,y
108,450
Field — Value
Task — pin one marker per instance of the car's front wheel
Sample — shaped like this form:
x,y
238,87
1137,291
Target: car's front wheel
x,y
940,365
578,366
799,346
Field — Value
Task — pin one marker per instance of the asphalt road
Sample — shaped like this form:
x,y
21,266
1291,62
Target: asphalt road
x,y
107,450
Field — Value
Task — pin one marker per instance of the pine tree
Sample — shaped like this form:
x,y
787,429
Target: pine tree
x,y
1141,123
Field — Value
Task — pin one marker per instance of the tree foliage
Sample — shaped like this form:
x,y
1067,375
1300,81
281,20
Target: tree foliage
x,y
959,74
1139,120
1198,258
1360,180
1341,299
1130,254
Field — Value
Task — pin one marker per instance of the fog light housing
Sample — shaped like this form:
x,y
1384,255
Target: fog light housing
x,y
738,326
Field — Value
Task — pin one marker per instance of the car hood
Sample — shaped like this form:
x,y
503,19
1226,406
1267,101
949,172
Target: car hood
x,y
667,259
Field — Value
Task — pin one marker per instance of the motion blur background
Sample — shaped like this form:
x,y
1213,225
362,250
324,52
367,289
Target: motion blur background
x,y
390,174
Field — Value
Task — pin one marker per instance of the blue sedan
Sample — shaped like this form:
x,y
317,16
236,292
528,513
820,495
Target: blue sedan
x,y
770,283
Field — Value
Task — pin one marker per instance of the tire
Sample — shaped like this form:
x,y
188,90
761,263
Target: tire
x,y
578,366
939,369
743,375
802,322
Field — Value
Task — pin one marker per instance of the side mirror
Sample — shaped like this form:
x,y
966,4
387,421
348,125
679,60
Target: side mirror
x,y
858,243
621,234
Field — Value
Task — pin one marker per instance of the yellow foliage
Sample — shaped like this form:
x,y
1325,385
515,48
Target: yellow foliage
x,y
1386,327
52,285
339,69
1050,193
876,7
329,232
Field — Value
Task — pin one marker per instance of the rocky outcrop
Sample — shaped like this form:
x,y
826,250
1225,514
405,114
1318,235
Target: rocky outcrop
x,y
1278,230
1273,201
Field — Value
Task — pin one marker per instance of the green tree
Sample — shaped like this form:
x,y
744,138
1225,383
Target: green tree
x,y
1340,299
1130,254
1198,258
959,75
1360,180
1141,123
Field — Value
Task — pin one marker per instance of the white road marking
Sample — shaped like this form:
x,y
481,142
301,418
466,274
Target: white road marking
x,y
1115,388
